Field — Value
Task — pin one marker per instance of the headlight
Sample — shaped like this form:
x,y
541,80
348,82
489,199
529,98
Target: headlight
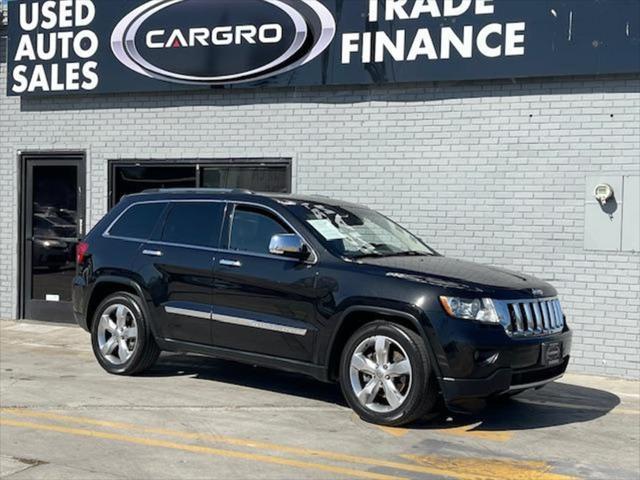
x,y
478,309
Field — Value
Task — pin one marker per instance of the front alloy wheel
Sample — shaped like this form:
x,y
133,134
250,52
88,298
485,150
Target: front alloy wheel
x,y
380,374
386,374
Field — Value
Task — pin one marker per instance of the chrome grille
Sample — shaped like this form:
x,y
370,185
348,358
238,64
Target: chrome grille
x,y
531,317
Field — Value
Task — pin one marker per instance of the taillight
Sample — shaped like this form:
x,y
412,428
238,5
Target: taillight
x,y
81,252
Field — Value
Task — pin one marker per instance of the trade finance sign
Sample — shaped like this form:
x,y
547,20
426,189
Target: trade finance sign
x,y
100,46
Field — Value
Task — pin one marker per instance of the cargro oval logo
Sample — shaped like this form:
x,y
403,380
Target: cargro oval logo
x,y
216,42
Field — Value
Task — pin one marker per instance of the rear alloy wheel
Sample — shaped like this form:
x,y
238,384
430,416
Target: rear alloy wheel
x,y
386,375
121,338
117,334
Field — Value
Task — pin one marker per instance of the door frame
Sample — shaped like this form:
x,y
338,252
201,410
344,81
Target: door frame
x,y
59,312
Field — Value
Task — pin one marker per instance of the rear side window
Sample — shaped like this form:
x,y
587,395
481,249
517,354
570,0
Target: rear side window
x,y
138,221
195,223
252,230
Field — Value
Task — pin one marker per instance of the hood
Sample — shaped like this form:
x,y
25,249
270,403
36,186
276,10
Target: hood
x,y
462,275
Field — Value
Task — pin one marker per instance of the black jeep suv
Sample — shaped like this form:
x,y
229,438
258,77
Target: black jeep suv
x,y
307,284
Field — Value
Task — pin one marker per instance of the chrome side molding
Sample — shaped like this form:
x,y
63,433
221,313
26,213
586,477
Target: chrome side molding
x,y
187,312
232,320
247,322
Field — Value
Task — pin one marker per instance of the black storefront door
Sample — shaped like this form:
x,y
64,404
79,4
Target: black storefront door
x,y
53,222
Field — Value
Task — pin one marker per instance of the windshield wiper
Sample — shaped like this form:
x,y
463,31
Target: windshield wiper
x,y
366,255
408,253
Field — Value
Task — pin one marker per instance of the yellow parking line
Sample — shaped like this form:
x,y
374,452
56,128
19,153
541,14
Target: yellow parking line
x,y
463,431
305,452
491,469
197,449
468,431
394,431
446,467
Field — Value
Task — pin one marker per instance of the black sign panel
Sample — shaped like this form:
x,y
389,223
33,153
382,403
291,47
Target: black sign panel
x,y
99,46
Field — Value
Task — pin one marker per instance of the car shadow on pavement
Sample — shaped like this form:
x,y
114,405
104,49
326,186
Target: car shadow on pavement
x,y
554,405
241,374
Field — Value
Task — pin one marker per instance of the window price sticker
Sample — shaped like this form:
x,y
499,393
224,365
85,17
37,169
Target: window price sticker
x,y
327,229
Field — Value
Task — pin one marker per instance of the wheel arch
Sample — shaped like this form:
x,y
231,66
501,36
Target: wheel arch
x,y
355,317
108,285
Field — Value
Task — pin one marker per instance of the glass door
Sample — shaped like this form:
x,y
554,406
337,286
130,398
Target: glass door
x,y
53,223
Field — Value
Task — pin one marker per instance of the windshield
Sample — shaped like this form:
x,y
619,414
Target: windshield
x,y
357,232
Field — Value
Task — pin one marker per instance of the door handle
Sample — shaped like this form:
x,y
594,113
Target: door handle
x,y
152,253
231,263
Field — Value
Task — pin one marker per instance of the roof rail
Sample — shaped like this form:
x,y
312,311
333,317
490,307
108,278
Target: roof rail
x,y
239,191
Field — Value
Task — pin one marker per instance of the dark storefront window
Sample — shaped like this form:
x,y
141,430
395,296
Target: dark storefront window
x,y
259,178
134,179
273,176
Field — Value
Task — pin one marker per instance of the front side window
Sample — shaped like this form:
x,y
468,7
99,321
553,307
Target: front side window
x,y
138,221
357,232
194,223
252,229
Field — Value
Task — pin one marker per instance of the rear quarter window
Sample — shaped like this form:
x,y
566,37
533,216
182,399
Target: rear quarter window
x,y
138,222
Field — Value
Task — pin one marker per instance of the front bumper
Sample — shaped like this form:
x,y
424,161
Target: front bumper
x,y
476,361
463,394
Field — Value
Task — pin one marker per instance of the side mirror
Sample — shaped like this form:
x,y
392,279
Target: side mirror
x,y
288,245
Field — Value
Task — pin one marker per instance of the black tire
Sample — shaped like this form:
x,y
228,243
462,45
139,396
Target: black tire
x,y
422,391
146,350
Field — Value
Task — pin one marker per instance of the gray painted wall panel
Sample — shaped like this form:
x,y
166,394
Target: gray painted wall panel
x,y
631,214
603,223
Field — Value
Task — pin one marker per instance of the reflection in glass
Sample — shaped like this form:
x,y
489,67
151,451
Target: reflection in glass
x,y
258,178
54,231
135,179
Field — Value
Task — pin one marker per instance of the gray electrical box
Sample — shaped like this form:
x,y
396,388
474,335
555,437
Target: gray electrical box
x,y
603,223
631,214
612,224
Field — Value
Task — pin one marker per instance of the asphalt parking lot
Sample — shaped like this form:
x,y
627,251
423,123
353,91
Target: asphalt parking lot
x,y
62,417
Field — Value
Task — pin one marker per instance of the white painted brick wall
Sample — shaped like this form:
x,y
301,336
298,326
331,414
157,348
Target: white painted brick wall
x,y
488,171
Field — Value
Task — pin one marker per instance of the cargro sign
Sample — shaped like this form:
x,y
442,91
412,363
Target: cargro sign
x,y
97,46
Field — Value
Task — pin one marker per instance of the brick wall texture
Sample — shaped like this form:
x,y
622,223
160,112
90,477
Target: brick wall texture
x,y
488,171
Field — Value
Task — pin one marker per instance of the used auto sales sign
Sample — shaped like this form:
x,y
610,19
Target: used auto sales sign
x,y
99,46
